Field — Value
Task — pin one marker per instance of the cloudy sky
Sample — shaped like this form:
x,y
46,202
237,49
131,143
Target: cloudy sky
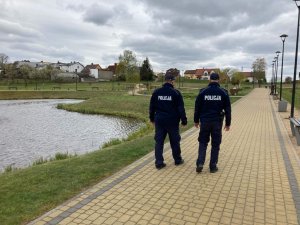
x,y
185,34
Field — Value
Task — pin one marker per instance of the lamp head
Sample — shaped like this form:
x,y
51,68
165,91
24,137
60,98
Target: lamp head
x,y
283,37
297,2
277,53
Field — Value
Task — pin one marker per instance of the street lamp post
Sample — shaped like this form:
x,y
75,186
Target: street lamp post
x,y
283,37
275,75
183,78
113,82
276,70
296,59
76,80
273,72
179,79
253,78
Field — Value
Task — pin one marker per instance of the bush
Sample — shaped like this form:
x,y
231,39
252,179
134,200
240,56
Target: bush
x,y
234,91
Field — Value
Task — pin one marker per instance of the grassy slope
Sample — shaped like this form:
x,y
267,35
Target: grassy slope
x,y
287,95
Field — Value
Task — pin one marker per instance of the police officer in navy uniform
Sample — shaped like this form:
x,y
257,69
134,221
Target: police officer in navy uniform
x,y
211,105
165,112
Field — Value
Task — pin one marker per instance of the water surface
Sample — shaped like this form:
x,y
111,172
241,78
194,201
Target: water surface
x,y
31,129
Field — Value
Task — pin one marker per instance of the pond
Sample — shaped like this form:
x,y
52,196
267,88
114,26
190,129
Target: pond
x,y
31,129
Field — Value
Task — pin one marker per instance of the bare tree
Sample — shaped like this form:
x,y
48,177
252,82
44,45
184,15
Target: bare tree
x,y
288,80
3,60
259,70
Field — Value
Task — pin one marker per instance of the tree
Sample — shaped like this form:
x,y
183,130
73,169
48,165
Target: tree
x,y
127,67
133,76
48,72
3,60
288,80
10,71
128,58
35,74
146,71
237,77
225,74
24,72
121,71
259,70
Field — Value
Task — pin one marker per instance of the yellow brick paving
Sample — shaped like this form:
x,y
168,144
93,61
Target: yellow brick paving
x,y
251,187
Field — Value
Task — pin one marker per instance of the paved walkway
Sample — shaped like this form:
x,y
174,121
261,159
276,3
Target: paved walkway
x,y
257,181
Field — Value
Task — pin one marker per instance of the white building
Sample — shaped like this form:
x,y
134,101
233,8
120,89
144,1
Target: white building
x,y
92,70
72,67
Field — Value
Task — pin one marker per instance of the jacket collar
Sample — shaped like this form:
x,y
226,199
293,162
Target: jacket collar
x,y
214,84
168,85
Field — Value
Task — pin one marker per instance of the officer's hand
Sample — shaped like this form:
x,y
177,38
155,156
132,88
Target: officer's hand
x,y
227,128
196,125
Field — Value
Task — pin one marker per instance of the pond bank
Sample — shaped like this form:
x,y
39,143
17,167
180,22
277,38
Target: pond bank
x,y
35,130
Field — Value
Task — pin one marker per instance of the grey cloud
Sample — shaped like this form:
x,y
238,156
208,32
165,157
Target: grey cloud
x,y
12,28
98,14
204,18
76,7
169,51
49,51
104,15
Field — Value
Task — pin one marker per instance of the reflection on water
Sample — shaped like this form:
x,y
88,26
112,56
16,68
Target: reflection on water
x,y
31,129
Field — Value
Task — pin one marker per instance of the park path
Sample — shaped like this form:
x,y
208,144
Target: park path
x,y
257,181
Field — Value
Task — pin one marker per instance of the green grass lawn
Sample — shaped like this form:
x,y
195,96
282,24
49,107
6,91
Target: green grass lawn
x,y
27,193
50,86
287,95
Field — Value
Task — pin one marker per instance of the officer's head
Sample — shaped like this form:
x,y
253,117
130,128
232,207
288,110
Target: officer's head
x,y
169,77
214,77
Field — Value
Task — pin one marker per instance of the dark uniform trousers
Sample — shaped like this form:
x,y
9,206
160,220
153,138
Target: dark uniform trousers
x,y
207,129
161,132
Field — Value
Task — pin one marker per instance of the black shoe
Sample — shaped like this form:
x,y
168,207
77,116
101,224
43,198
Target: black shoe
x,y
179,163
160,166
199,168
214,169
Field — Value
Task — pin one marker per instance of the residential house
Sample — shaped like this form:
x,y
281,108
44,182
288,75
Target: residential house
x,y
92,70
72,67
200,74
190,74
204,73
249,76
108,73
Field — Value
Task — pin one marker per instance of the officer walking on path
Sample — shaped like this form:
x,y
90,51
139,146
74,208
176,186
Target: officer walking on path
x,y
165,112
211,104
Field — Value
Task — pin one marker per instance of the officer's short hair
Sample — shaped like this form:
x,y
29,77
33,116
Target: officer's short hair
x,y
169,76
214,76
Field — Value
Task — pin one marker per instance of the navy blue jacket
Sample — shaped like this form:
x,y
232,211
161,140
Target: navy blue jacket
x,y
167,107
211,104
